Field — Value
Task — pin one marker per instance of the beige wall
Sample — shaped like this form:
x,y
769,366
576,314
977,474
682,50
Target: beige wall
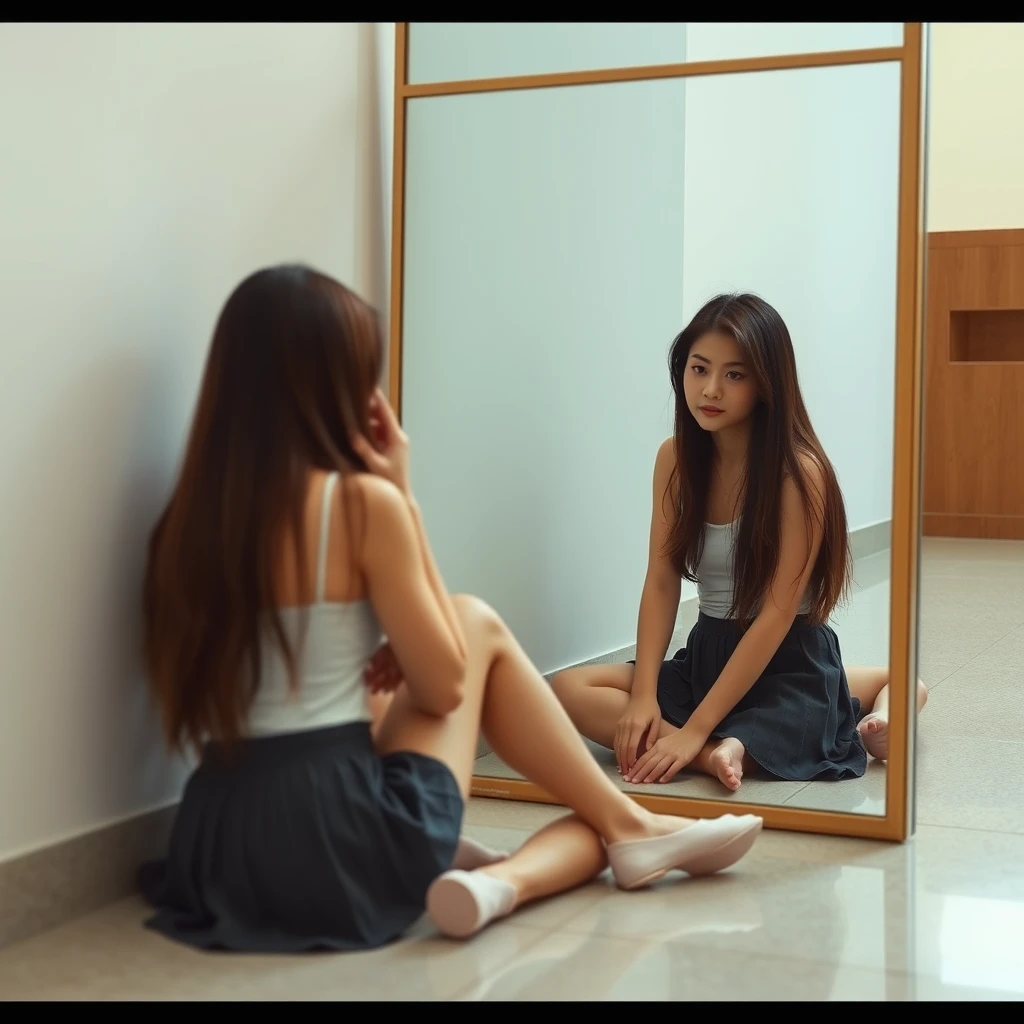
x,y
144,170
976,127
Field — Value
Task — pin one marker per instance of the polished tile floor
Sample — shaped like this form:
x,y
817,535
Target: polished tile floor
x,y
802,917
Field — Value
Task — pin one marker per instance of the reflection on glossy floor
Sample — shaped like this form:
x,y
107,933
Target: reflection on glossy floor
x,y
803,917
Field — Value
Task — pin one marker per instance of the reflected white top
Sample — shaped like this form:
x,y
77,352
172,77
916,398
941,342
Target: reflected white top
x,y
715,572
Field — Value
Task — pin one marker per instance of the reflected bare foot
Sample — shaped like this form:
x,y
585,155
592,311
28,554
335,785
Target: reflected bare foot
x,y
874,731
727,763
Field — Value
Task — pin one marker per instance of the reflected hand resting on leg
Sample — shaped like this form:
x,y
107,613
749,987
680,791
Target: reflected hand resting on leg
x,y
668,756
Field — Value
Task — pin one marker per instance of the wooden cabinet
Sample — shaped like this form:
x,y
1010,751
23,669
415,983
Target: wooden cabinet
x,y
974,385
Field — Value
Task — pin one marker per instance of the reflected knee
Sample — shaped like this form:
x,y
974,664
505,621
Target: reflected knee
x,y
922,695
568,687
565,683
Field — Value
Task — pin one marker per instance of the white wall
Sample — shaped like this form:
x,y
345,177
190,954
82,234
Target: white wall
x,y
975,126
791,192
144,170
542,294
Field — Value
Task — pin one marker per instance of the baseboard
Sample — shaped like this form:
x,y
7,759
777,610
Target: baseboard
x,y
43,889
47,887
973,527
871,540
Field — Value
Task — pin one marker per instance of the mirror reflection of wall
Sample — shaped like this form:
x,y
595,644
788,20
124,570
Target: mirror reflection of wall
x,y
972,555
555,242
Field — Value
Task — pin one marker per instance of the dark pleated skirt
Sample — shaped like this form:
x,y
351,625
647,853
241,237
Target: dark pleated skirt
x,y
798,721
304,841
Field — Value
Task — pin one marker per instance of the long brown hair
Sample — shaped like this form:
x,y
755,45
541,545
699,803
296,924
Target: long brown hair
x,y
781,436
294,360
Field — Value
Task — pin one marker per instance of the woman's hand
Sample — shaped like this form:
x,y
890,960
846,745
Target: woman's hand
x,y
386,452
669,756
636,731
382,674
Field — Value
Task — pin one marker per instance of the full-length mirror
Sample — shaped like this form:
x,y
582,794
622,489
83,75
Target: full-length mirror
x,y
627,468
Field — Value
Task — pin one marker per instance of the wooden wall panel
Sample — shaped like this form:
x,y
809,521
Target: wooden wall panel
x,y
974,385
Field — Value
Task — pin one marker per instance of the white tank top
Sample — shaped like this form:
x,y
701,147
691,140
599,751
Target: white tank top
x,y
715,571
340,639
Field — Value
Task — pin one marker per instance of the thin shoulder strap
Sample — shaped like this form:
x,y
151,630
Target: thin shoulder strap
x,y
325,534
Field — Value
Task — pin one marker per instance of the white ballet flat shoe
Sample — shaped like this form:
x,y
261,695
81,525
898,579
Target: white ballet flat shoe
x,y
706,846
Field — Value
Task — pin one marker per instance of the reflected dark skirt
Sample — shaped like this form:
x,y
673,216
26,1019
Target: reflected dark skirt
x,y
304,841
798,721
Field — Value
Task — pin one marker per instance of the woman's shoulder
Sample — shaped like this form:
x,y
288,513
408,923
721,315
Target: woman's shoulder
x,y
665,469
379,511
666,457
666,479
376,494
813,474
810,465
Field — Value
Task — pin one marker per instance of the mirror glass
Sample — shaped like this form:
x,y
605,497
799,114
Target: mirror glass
x,y
556,242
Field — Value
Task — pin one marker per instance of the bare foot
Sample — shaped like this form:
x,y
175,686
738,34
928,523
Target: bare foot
x,y
727,763
874,731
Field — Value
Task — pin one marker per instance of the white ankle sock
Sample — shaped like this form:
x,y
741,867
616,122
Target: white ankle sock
x,y
460,903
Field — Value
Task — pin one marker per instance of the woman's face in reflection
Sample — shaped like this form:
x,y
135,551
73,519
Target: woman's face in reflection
x,y
718,385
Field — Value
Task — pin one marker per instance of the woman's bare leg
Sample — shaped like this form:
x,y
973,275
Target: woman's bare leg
x,y
871,687
562,855
530,731
594,698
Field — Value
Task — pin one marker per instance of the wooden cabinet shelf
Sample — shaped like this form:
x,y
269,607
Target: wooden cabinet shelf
x,y
986,336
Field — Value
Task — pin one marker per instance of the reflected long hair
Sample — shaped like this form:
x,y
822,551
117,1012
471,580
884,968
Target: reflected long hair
x,y
294,360
780,438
